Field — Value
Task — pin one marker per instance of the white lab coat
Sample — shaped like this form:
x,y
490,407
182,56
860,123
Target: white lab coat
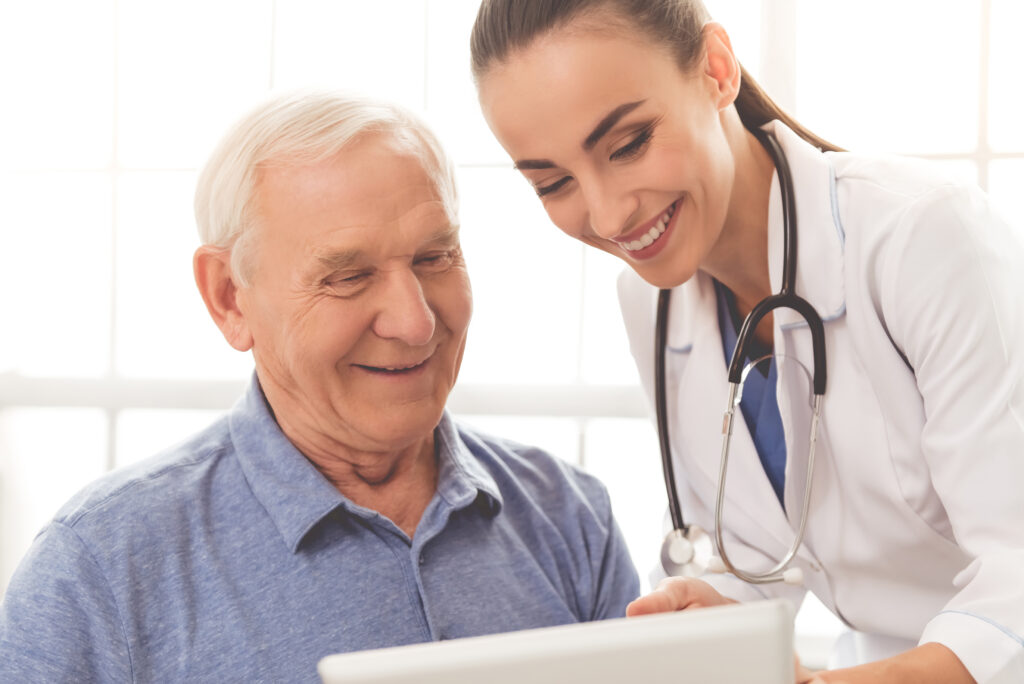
x,y
916,527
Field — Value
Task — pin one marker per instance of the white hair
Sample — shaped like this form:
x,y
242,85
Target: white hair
x,y
299,128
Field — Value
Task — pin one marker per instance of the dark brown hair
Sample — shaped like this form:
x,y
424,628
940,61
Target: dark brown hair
x,y
503,26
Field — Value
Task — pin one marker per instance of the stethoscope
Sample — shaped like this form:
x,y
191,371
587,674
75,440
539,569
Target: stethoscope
x,y
678,556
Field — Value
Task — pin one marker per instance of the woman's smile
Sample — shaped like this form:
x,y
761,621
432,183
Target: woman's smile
x,y
649,239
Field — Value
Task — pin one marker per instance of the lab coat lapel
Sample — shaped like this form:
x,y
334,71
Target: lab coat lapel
x,y
697,402
793,393
820,237
820,280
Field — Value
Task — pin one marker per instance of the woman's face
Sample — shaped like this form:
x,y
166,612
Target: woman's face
x,y
626,152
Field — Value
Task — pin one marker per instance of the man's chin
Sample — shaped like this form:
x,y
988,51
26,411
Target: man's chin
x,y
398,427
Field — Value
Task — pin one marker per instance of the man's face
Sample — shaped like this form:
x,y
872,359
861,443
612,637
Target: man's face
x,y
359,299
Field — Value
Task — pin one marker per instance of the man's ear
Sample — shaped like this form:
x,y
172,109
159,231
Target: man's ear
x,y
720,64
212,269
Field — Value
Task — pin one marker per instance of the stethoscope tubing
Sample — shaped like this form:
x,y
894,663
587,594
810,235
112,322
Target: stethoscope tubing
x,y
778,572
675,508
785,298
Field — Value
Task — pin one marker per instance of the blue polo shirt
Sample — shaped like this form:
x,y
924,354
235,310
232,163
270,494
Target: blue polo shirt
x,y
231,558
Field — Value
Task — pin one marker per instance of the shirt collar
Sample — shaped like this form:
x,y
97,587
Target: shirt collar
x,y
461,479
294,493
297,496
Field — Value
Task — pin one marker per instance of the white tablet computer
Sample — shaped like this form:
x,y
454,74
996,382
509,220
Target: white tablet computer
x,y
750,642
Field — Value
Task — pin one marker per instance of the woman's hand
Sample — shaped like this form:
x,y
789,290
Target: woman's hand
x,y
677,593
683,593
803,675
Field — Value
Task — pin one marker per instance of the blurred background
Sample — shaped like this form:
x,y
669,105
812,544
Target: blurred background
x,y
110,106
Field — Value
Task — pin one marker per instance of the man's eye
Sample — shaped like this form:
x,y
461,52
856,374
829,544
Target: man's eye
x,y
552,187
347,282
634,147
436,262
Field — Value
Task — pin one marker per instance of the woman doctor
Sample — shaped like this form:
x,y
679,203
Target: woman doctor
x,y
636,125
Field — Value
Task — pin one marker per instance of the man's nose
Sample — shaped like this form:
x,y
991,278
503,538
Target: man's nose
x,y
403,311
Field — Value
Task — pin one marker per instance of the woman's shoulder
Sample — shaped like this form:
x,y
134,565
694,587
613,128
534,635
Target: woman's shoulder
x,y
910,178
890,198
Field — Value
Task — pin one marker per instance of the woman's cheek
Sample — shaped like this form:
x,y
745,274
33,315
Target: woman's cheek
x,y
570,219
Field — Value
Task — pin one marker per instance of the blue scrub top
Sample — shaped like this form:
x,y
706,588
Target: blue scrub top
x,y
759,405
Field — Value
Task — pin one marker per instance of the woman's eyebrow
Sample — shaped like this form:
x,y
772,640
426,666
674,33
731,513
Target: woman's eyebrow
x,y
526,164
606,124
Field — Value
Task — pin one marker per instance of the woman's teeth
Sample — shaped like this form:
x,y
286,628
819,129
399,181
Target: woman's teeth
x,y
648,238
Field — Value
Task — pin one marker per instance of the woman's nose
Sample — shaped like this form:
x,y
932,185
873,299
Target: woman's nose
x,y
609,210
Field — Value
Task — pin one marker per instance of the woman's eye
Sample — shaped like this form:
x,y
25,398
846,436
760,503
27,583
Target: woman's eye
x,y
542,190
633,147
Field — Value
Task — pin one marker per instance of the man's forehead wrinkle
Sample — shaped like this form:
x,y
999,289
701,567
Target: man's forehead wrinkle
x,y
446,235
313,190
384,212
342,259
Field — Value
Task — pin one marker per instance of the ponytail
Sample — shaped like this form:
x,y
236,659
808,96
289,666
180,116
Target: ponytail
x,y
756,109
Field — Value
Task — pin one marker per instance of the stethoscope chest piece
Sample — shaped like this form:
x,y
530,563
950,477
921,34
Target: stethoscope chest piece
x,y
679,552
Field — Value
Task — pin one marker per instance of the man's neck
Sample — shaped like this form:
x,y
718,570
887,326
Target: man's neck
x,y
398,484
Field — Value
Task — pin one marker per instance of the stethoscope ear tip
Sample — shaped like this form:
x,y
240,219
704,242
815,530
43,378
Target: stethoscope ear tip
x,y
791,576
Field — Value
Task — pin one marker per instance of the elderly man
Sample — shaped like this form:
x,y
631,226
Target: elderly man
x,y
337,506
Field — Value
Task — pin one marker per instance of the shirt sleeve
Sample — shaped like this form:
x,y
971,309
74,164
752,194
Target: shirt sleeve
x,y
952,292
617,580
58,620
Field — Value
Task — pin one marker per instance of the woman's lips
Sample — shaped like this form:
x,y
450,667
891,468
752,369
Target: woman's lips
x,y
647,241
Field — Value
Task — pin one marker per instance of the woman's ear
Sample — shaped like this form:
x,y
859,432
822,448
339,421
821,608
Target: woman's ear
x,y
720,64
212,269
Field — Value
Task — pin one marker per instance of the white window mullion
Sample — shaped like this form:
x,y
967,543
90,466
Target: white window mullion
x,y
778,52
984,151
